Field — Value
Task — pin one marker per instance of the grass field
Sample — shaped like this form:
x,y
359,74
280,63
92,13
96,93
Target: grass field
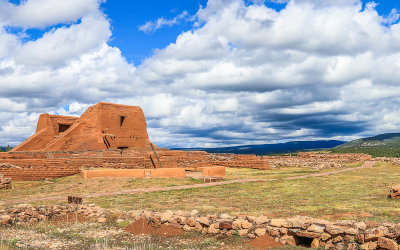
x,y
360,194
277,173
76,185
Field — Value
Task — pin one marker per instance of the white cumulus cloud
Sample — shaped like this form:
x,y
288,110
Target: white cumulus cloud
x,y
244,74
41,13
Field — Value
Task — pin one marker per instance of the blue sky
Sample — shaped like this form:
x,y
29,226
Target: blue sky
x,y
127,16
229,73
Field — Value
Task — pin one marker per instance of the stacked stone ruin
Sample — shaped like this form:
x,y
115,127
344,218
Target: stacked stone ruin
x,y
105,136
299,230
316,161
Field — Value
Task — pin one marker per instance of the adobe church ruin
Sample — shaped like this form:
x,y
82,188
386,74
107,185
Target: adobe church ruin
x,y
102,126
105,136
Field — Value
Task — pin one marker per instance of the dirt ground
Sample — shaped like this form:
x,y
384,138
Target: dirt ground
x,y
264,242
141,226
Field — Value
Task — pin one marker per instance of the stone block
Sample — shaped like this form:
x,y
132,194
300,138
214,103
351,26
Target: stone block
x,y
204,221
225,225
246,224
260,231
213,229
374,235
316,228
279,223
333,230
288,239
388,244
237,224
243,232
261,220
315,243
191,221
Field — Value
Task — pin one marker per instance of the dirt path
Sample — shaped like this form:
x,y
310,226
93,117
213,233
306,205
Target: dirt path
x,y
367,164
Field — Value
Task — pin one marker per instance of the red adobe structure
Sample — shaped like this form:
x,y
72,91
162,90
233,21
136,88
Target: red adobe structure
x,y
107,135
102,126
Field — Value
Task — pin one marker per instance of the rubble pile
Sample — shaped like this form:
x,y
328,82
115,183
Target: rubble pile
x,y
5,183
27,213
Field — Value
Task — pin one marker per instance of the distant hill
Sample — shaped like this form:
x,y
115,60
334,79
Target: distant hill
x,y
385,145
3,149
266,149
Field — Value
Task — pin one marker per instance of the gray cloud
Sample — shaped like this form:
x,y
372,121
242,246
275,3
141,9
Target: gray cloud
x,y
245,73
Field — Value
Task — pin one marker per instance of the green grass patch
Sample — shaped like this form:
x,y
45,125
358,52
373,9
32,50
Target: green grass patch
x,y
374,152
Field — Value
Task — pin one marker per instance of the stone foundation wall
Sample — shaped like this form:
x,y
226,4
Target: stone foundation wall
x,y
36,165
298,230
36,173
316,161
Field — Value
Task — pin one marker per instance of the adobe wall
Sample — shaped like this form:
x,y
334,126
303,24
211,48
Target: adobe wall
x,y
36,173
134,173
70,162
102,126
168,172
105,136
214,171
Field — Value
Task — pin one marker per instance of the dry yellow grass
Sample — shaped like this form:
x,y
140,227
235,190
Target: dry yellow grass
x,y
356,194
75,185
360,194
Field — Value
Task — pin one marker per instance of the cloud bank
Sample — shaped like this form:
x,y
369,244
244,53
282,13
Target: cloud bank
x,y
244,74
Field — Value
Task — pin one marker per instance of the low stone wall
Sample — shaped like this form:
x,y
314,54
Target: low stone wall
x,y
298,230
17,173
316,161
135,173
34,165
29,214
113,173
